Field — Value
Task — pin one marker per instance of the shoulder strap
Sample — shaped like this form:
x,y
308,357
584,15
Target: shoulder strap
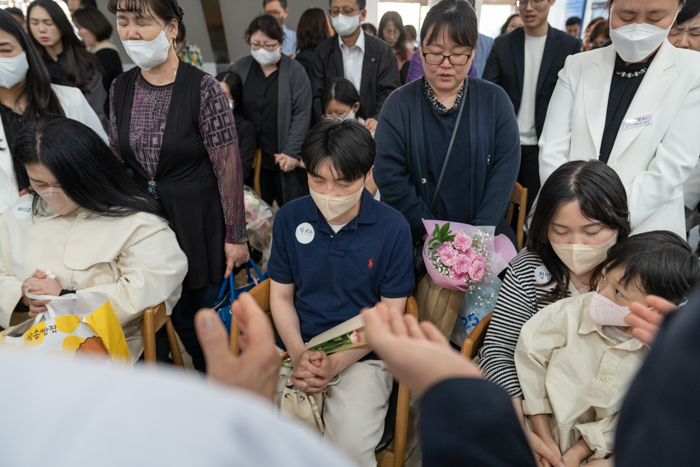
x,y
452,140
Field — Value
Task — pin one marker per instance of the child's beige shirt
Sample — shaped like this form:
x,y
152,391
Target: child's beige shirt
x,y
568,367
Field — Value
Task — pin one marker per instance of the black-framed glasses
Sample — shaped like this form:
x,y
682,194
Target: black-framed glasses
x,y
345,11
523,3
454,59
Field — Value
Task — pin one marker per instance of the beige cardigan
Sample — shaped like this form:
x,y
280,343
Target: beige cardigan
x,y
135,260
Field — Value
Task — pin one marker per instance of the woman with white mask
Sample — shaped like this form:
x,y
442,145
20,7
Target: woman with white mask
x,y
172,125
26,93
632,105
277,99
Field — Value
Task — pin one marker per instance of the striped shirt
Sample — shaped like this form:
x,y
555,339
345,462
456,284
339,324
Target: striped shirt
x,y
516,304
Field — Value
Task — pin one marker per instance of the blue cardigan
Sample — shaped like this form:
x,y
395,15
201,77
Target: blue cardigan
x,y
400,169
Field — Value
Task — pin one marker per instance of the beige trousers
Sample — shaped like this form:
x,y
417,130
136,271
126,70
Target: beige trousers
x,y
354,409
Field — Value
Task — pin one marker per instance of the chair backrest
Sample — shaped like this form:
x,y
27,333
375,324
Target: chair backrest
x,y
257,167
519,198
472,344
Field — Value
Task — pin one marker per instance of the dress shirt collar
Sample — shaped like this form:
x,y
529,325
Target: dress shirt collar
x,y
587,326
359,43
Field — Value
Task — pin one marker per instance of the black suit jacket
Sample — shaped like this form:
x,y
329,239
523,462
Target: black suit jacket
x,y
380,74
506,67
471,422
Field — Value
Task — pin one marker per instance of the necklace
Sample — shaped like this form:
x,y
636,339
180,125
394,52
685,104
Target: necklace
x,y
636,74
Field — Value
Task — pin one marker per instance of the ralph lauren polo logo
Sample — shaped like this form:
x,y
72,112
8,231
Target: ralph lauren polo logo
x,y
371,263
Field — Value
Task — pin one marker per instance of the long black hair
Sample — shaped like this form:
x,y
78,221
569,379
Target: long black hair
x,y
78,64
341,90
601,197
37,91
235,86
397,21
84,166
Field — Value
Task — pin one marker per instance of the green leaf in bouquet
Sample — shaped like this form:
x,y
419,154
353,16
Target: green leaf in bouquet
x,y
445,230
436,231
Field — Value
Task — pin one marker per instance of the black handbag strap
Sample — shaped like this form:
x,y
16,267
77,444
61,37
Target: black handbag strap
x,y
452,141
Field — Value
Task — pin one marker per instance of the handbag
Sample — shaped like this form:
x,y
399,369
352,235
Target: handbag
x,y
419,268
306,407
229,293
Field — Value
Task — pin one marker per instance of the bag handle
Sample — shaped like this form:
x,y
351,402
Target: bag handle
x,y
452,141
222,291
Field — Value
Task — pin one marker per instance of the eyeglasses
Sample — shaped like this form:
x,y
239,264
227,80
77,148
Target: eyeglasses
x,y
269,47
455,59
535,3
345,11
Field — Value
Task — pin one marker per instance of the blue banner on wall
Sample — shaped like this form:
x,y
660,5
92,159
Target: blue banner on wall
x,y
575,8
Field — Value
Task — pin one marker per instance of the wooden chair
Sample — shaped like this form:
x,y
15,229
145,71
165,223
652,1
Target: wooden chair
x,y
520,198
153,320
257,167
400,399
472,344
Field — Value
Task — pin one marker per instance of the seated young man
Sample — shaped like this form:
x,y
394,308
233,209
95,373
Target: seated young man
x,y
576,358
334,253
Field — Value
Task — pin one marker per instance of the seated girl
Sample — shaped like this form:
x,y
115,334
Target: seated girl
x,y
87,222
341,101
576,358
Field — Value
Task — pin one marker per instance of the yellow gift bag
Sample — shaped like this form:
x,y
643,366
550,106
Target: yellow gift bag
x,y
82,325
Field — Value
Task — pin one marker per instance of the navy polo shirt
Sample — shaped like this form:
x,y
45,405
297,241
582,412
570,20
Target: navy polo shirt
x,y
337,275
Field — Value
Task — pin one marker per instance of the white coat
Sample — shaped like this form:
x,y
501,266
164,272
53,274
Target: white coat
x,y
652,160
75,107
135,260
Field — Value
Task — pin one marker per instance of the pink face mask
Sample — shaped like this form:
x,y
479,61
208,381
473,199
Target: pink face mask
x,y
605,312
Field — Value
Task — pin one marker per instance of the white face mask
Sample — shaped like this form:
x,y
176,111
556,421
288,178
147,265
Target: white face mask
x,y
13,70
230,103
57,199
345,25
605,312
332,207
635,42
148,54
265,57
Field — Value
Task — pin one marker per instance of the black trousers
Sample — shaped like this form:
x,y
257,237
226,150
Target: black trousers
x,y
191,301
529,176
271,186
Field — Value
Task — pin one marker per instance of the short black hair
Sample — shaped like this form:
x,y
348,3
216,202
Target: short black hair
x,y
93,20
658,263
348,144
361,4
283,3
266,24
15,11
574,20
457,17
688,12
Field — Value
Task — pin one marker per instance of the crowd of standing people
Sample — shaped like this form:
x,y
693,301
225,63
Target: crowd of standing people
x,y
132,184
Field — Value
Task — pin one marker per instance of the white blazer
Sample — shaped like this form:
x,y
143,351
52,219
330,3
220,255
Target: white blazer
x,y
653,160
75,107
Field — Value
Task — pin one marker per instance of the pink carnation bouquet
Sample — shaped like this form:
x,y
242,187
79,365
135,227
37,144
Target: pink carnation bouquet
x,y
460,256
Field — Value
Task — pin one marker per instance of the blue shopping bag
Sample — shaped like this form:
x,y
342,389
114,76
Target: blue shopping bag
x,y
228,293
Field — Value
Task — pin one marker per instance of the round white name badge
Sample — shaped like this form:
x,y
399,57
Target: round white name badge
x,y
305,233
542,276
22,210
